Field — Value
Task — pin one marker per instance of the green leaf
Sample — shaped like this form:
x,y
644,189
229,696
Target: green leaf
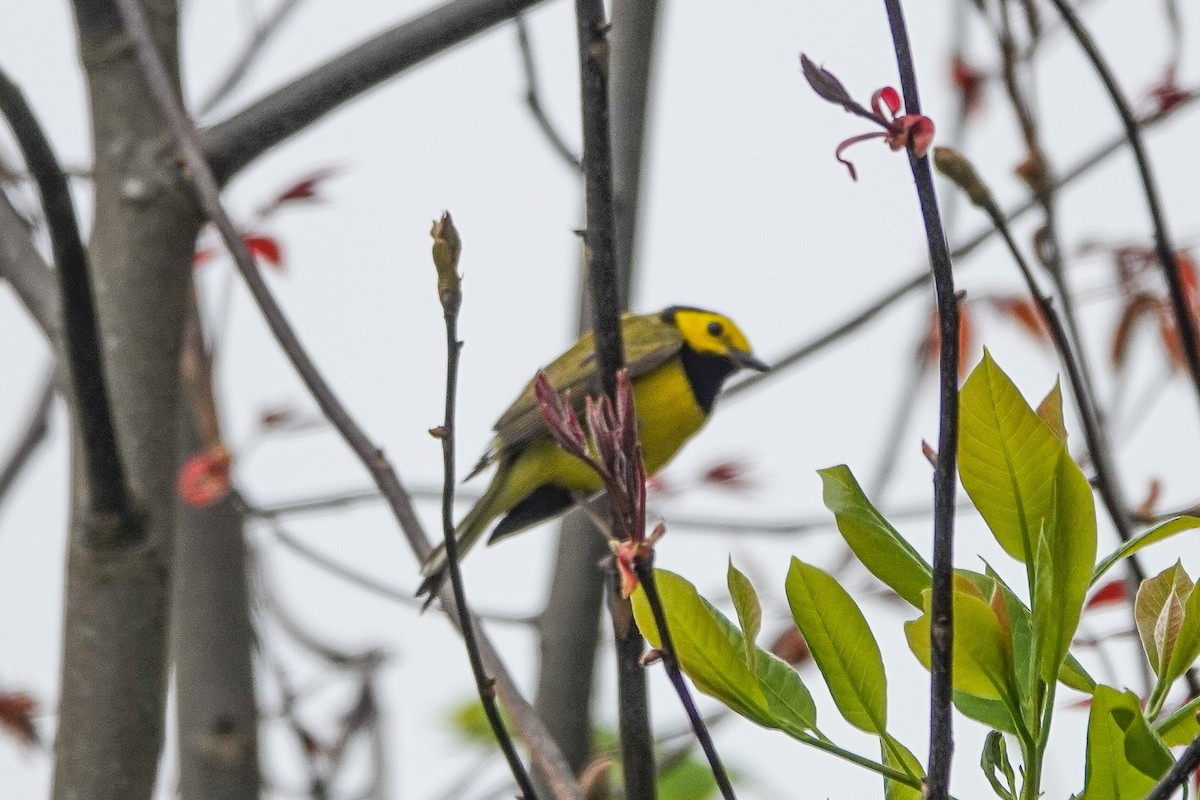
x,y
993,713
1020,618
981,665
842,645
689,779
1124,757
708,648
1007,459
1181,726
1158,612
711,651
1158,533
897,755
882,550
791,704
1187,643
749,610
1072,543
995,765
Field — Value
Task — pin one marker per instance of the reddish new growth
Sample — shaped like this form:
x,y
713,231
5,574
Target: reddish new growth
x,y
913,131
615,455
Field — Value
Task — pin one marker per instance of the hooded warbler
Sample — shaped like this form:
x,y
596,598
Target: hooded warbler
x,y
678,359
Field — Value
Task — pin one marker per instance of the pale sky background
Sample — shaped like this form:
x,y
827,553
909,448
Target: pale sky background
x,y
746,212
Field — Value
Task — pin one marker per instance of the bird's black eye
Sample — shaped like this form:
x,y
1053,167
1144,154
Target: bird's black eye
x,y
715,328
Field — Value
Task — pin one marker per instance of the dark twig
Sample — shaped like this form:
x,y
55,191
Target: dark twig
x,y
542,747
1163,246
1179,773
34,434
645,573
234,143
941,741
446,250
920,276
250,52
107,493
533,98
637,743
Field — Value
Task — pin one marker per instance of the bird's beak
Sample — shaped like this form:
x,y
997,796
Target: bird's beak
x,y
747,360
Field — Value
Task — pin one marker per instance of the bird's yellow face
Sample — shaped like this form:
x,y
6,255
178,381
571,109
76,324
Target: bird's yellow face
x,y
711,333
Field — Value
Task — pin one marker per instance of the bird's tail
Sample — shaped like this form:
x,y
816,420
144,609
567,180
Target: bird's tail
x,y
468,532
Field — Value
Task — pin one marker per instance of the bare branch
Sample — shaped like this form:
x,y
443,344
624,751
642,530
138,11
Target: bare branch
x,y
240,67
1163,246
22,266
533,98
107,490
941,741
34,434
233,144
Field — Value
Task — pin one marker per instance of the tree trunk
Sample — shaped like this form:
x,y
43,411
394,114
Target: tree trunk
x,y
143,234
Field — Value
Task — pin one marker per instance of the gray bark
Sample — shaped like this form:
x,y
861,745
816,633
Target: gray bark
x,y
143,233
212,645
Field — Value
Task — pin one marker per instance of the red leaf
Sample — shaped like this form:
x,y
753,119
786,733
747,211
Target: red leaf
x,y
1136,307
729,474
204,477
304,189
201,256
1025,312
968,81
16,716
931,345
266,247
1115,591
791,647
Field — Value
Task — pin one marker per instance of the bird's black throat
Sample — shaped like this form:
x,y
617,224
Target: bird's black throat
x,y
706,373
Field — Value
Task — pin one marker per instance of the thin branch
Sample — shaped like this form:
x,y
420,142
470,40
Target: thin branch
x,y
920,276
541,746
707,523
445,255
1179,773
263,32
34,434
941,741
533,99
633,715
27,273
108,494
234,143
1163,246
645,573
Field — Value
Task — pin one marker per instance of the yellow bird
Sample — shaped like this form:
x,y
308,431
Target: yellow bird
x,y
678,359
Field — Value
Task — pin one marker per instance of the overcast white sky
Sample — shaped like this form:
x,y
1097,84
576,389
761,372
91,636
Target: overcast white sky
x,y
747,212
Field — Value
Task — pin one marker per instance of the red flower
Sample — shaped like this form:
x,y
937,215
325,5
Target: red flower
x,y
913,131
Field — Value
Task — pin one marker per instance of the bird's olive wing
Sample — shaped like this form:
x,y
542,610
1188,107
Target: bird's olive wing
x,y
649,342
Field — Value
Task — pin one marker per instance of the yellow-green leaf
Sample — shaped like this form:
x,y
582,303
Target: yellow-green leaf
x,y
1158,612
749,610
842,644
1125,758
1164,530
897,755
708,648
882,550
981,667
1007,458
